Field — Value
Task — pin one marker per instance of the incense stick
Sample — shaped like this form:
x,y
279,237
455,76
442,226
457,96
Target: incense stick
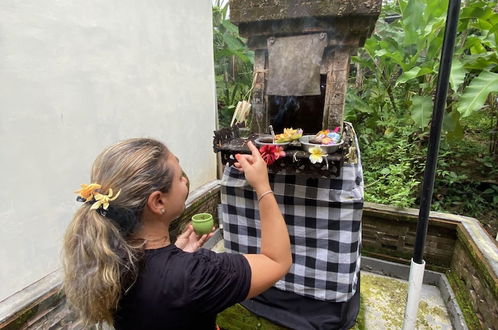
x,y
272,133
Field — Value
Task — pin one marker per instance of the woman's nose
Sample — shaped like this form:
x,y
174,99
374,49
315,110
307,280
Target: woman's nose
x,y
186,179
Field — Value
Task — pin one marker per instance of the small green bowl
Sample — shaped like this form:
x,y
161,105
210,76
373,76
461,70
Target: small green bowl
x,y
203,223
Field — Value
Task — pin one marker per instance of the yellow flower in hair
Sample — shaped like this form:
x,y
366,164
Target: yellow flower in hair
x,y
316,155
104,200
87,191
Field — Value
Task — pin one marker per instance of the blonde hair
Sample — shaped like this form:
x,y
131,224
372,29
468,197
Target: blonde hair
x,y
100,260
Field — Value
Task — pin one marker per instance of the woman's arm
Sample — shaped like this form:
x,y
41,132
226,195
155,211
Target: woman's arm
x,y
275,258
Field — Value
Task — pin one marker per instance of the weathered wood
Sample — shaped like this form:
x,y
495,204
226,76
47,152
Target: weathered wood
x,y
335,93
242,11
259,111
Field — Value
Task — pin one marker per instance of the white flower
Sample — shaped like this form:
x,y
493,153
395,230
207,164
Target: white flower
x,y
317,155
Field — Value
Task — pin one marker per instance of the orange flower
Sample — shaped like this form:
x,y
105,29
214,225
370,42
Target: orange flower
x,y
88,191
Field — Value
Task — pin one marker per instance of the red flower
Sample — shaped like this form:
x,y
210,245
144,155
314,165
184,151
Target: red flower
x,y
271,153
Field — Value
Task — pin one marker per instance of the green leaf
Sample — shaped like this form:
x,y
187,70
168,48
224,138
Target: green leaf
x,y
408,75
475,45
433,27
473,11
229,26
452,126
232,42
412,20
381,52
402,5
413,73
480,61
421,110
436,8
484,25
475,94
457,74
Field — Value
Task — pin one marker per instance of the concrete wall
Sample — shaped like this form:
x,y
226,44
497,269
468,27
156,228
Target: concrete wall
x,y
76,76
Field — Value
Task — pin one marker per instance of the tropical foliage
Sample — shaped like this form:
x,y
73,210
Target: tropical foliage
x,y
233,64
394,82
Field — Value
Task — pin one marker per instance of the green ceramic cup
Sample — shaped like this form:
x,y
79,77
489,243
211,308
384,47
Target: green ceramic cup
x,y
203,223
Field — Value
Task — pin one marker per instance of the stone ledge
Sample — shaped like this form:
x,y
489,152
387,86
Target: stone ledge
x,y
23,305
486,245
244,11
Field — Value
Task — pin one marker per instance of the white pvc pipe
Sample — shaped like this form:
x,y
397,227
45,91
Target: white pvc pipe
x,y
414,288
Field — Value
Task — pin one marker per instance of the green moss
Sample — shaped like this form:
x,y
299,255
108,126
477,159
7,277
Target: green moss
x,y
387,295
385,299
239,318
463,300
425,310
22,319
477,262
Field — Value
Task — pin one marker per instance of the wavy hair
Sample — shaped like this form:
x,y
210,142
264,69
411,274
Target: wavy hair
x,y
100,259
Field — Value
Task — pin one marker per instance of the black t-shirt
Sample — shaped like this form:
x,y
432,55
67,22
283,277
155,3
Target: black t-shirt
x,y
181,290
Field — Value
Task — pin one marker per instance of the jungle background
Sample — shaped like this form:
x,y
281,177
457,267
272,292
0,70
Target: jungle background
x,y
390,98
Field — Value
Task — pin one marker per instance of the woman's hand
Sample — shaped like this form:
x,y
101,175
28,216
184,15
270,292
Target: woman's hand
x,y
254,168
189,241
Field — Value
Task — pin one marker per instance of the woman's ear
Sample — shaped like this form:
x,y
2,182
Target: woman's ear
x,y
156,203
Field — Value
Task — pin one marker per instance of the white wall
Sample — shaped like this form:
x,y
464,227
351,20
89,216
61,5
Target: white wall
x,y
76,76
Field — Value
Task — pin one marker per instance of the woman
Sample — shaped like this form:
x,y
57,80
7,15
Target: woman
x,y
120,266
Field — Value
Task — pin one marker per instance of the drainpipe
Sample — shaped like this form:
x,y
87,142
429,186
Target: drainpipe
x,y
417,262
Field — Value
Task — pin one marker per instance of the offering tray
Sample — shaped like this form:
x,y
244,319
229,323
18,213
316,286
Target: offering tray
x,y
228,142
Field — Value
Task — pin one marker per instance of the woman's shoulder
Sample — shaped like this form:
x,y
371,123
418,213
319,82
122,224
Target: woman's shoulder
x,y
173,257
172,252
174,260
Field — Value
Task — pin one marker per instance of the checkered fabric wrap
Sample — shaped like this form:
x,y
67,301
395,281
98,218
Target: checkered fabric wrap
x,y
323,218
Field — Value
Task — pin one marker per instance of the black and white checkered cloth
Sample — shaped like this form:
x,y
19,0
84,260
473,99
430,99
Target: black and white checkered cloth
x,y
323,218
